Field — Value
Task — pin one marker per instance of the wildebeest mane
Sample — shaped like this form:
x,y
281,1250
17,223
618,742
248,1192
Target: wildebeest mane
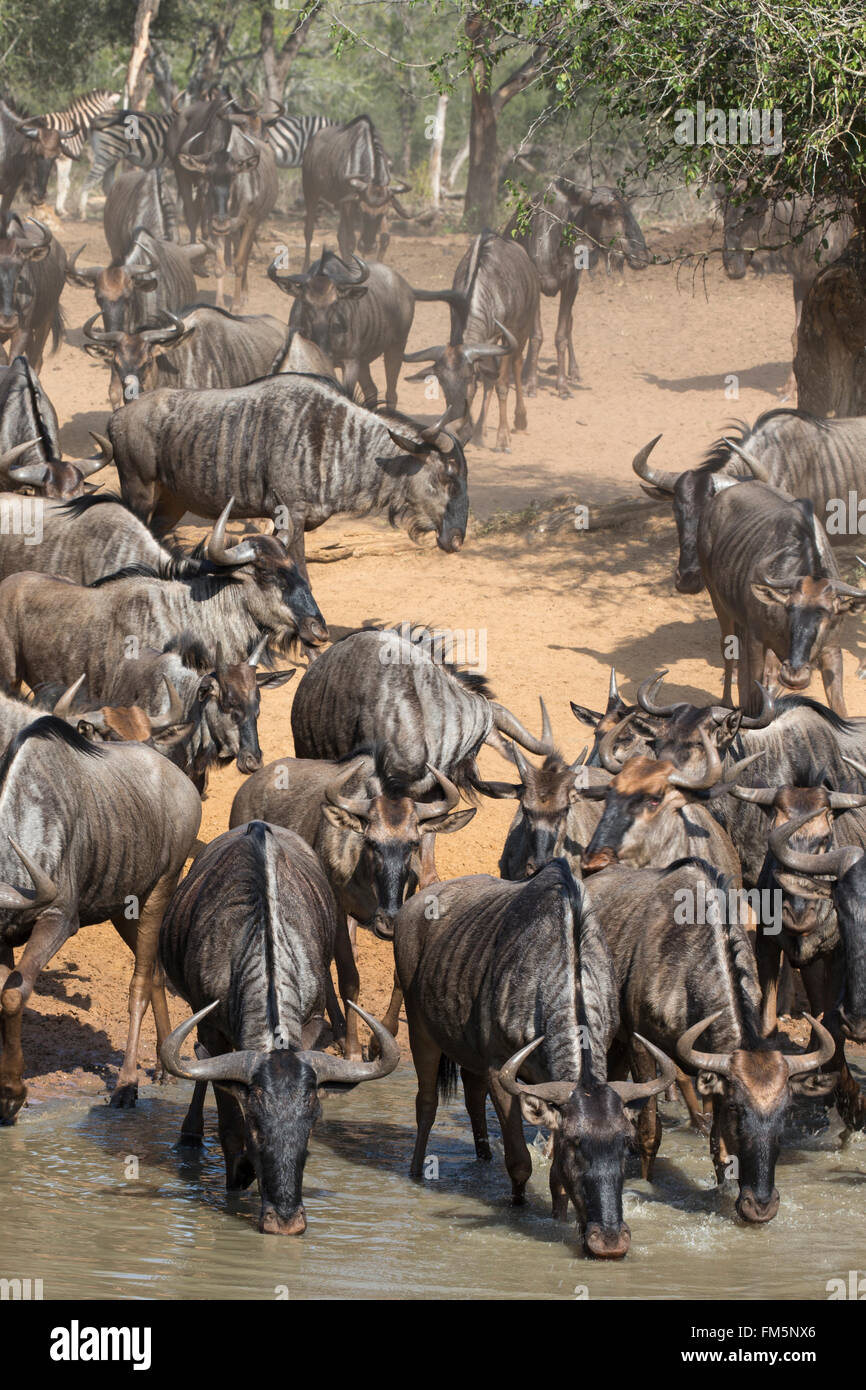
x,y
49,728
423,632
719,452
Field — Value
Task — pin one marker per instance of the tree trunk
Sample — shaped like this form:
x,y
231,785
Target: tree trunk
x,y
436,151
276,65
138,78
457,164
830,366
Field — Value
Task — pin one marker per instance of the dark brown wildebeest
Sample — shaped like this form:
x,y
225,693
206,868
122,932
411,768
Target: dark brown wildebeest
x,y
353,316
776,590
247,940
504,977
32,270
569,230
495,292
153,277
346,166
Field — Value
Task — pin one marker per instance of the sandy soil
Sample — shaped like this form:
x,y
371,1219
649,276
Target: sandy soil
x,y
657,352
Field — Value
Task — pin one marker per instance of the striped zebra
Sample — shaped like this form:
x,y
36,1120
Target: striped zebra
x,y
137,136
78,116
289,137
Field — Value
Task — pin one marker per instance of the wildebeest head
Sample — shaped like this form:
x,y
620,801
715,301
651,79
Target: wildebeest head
x,y
17,253
134,357
390,826
677,737
592,1127
608,224
369,204
219,171
56,479
229,699
278,1093
751,1090
634,736
845,869
455,366
435,495
46,146
689,492
321,294
814,606
278,597
743,222
115,288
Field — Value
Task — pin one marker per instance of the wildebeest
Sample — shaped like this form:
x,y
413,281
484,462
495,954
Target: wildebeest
x,y
776,589
353,316
394,689
152,276
686,975
495,292
505,977
298,450
239,190
369,835
139,201
26,413
346,166
244,591
32,270
800,454
247,940
28,151
201,348
109,824
569,230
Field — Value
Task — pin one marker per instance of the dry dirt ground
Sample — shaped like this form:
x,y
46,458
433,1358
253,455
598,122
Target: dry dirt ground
x,y
657,351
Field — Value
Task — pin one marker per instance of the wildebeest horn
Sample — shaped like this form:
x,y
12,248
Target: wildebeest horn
x,y
64,705
8,459
475,350
106,451
659,477
800,1062
175,328
228,1066
45,889
760,472
72,268
630,1092
175,102
431,354
718,1062
216,550
99,335
508,723
524,767
606,749
759,796
768,711
359,806
645,696
36,474
852,762
712,770
612,690
149,268
834,864
557,1092
175,714
258,652
340,1071
426,810
46,235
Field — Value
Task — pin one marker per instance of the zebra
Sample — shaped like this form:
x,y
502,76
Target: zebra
x,y
137,136
289,137
78,116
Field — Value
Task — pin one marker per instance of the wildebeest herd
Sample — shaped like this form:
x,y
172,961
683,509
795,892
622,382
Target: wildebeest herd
x,y
654,897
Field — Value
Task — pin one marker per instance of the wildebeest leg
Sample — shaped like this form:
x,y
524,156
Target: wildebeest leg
x,y
240,1173
309,229
475,1098
426,1055
478,431
768,950
63,169
393,362
50,930
530,366
192,1130
517,1160
333,1010
241,259
519,404
427,873
503,438
350,985
141,986
751,662
697,1117
127,929
718,1151
789,390
824,982
831,675
368,385
772,667
166,514
649,1125
564,339
345,231
220,272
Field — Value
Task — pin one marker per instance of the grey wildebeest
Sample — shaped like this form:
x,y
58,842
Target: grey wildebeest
x,y
138,202
368,833
32,270
241,594
201,348
298,449
239,190
346,166
149,278
247,940
26,414
569,229
495,293
685,973
505,977
354,316
776,590
95,827
797,453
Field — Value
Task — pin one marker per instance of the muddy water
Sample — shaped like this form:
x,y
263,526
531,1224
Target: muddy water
x,y
99,1204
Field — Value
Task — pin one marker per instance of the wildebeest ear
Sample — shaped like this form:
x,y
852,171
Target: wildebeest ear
x,y
537,1111
726,728
195,166
273,678
586,715
408,444
848,603
206,689
443,825
353,291
342,820
709,1084
98,349
400,464
657,494
767,594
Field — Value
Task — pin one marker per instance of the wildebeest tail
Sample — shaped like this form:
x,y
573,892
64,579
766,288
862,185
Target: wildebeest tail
x,y
58,328
446,1078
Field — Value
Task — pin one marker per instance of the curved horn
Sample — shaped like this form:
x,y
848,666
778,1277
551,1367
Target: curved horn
x,y
798,1063
8,459
99,335
341,1071
759,796
357,806
846,801
612,689
45,889
431,354
258,651
645,696
659,477
606,749
426,810
228,1066
216,550
175,102
631,1091
852,762
175,328
712,771
508,723
758,469
834,864
175,713
476,350
63,708
46,234
768,711
718,1062
557,1092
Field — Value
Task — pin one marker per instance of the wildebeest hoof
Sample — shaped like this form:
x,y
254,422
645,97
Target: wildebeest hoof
x,y
564,393
190,1141
482,1150
124,1097
11,1100
530,391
